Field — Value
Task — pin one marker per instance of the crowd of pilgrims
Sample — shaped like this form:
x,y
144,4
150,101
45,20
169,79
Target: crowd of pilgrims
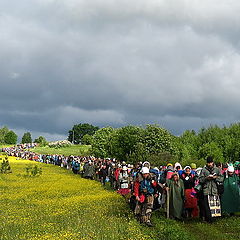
x,y
189,192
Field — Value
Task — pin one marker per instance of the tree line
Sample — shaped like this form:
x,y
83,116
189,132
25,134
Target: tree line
x,y
9,137
156,144
149,143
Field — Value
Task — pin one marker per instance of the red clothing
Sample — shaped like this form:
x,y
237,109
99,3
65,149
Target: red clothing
x,y
136,188
191,202
116,173
124,191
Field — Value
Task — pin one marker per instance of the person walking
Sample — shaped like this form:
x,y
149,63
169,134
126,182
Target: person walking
x,y
175,189
231,195
103,173
191,202
146,198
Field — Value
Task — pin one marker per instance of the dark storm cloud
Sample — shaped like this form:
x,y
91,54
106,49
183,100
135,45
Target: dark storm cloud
x,y
118,62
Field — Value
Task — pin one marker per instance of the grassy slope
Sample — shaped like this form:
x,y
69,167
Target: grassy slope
x,y
81,150
60,205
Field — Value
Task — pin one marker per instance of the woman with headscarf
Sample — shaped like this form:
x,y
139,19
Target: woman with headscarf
x,y
231,195
178,168
175,189
191,202
124,181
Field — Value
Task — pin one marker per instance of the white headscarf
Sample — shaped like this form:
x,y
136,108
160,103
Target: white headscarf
x,y
177,164
230,169
187,167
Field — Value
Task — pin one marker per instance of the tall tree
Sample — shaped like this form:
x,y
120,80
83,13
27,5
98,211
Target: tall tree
x,y
125,141
159,140
3,132
101,143
11,138
76,134
41,140
27,138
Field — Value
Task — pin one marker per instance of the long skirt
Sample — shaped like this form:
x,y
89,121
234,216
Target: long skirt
x,y
191,202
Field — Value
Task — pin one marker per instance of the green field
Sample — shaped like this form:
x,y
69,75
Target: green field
x,y
61,205
76,150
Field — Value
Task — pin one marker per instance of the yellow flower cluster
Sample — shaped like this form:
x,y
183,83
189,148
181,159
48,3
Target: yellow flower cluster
x,y
61,205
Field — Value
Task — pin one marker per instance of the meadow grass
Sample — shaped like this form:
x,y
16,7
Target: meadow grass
x,y
76,150
61,205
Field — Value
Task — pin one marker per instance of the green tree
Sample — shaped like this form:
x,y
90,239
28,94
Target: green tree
x,y
101,143
160,145
41,141
27,138
157,140
11,138
87,139
125,142
3,132
211,149
188,145
78,131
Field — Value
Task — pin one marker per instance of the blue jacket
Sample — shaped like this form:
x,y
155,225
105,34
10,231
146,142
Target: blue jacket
x,y
146,184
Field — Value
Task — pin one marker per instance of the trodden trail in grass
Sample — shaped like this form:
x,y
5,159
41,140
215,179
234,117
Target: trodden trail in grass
x,y
61,205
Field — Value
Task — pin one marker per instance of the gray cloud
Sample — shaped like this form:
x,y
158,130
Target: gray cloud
x,y
118,62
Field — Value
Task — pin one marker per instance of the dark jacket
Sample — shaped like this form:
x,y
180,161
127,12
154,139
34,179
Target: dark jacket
x,y
210,185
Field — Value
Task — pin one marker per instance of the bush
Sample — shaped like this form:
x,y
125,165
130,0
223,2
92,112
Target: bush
x,y
41,141
32,171
5,166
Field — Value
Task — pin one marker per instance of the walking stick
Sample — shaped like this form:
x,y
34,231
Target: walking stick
x,y
168,213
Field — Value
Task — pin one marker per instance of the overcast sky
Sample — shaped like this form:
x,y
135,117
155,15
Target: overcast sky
x,y
118,62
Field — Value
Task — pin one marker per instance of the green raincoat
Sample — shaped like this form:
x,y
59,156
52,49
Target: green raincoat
x,y
231,195
176,198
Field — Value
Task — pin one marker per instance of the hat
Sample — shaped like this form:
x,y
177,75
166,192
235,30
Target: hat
x,y
209,159
230,169
169,164
124,168
145,170
146,163
193,165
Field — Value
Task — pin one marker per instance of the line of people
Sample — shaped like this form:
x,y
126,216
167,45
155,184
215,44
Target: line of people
x,y
191,192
